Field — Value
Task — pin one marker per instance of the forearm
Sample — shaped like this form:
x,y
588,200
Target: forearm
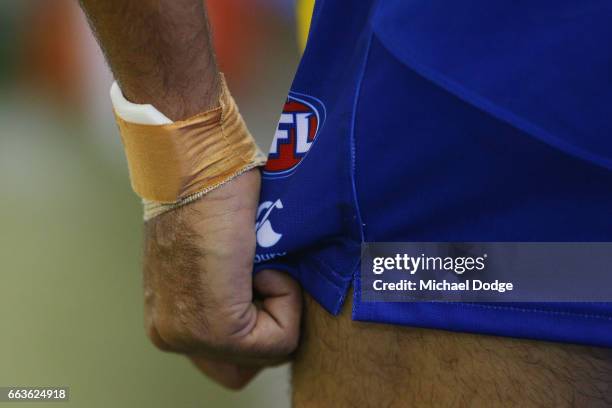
x,y
200,196
160,52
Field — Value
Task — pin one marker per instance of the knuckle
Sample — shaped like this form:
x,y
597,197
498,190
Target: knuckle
x,y
157,340
172,333
184,333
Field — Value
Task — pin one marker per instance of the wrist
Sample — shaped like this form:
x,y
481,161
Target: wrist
x,y
175,163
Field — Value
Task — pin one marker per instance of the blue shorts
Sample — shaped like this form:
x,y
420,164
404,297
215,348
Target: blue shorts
x,y
444,121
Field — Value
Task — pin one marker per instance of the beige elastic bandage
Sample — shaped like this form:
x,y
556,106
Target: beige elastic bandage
x,y
174,164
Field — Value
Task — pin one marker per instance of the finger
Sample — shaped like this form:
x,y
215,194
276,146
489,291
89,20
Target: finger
x,y
229,375
276,331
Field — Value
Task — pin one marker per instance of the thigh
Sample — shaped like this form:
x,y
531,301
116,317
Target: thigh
x,y
346,363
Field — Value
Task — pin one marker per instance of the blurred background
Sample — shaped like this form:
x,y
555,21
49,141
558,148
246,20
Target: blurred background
x,y
70,241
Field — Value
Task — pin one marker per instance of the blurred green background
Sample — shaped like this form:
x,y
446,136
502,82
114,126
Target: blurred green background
x,y
70,241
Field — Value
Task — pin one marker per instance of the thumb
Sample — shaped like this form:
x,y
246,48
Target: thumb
x,y
277,326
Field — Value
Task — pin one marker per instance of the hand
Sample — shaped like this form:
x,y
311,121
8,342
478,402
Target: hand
x,y
199,288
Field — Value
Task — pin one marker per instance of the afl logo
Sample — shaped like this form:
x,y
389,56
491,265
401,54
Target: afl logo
x,y
297,129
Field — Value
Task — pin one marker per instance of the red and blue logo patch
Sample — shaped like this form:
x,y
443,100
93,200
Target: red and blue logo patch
x,y
297,130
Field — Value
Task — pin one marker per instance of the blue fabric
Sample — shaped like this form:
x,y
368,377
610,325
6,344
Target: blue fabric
x,y
444,121
542,66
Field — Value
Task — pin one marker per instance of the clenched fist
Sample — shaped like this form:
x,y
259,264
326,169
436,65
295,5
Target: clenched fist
x,y
201,299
